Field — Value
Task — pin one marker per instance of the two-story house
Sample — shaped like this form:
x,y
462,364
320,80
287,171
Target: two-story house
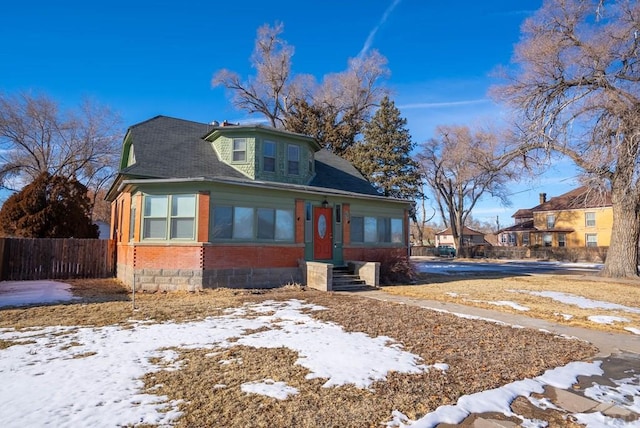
x,y
518,235
582,217
226,205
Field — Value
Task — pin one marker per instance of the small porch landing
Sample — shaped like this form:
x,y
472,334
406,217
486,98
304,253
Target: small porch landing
x,y
354,276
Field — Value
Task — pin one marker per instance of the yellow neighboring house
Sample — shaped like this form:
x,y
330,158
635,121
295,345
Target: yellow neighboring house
x,y
582,217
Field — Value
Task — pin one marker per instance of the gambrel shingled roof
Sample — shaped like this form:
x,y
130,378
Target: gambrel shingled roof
x,y
170,148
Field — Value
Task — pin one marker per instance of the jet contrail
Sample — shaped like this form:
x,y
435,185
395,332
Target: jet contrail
x,y
372,33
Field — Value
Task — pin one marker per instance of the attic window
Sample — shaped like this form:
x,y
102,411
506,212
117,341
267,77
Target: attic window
x,y
239,149
132,156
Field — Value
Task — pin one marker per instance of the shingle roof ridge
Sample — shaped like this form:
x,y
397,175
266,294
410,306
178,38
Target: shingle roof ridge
x,y
568,199
161,116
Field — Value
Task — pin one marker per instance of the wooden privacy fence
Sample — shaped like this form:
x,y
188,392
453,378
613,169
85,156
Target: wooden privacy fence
x,y
28,259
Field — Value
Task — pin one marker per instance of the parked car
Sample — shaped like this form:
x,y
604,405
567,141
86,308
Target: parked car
x,y
446,251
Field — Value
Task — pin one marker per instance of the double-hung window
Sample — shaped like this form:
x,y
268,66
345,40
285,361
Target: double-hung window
x,y
155,216
269,156
293,159
170,216
551,221
590,219
562,239
132,219
239,150
592,239
183,215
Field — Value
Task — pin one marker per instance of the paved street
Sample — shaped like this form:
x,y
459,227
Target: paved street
x,y
518,267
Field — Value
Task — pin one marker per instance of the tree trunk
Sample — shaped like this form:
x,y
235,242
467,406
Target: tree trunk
x,y
622,257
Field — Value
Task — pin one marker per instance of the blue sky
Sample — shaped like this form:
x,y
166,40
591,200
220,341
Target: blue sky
x,y
148,58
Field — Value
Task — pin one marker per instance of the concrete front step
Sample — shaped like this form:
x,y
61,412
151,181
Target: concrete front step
x,y
345,280
353,287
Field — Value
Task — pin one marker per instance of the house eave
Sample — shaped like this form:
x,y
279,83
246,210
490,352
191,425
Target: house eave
x,y
130,184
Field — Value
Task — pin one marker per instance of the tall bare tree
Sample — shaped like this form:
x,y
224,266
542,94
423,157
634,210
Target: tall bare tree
x,y
272,89
36,137
333,111
575,89
460,166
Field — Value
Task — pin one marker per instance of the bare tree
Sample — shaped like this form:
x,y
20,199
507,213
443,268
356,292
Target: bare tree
x,y
460,167
36,137
421,215
271,90
575,89
333,111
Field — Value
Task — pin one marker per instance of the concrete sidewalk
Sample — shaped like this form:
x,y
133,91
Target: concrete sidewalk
x,y
607,343
619,353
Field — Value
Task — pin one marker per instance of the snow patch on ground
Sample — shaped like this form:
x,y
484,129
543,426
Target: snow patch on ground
x,y
581,302
606,319
270,388
22,293
511,304
86,376
499,399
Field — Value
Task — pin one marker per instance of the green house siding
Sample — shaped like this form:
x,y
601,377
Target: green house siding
x,y
281,173
224,149
382,225
253,165
182,171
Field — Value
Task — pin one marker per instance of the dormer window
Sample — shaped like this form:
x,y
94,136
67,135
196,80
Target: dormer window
x,y
239,150
293,159
132,156
269,156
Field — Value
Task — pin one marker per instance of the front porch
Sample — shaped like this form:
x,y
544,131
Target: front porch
x,y
354,275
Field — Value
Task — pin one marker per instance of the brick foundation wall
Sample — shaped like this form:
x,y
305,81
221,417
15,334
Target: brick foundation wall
x,y
124,266
250,256
251,277
152,280
192,267
174,256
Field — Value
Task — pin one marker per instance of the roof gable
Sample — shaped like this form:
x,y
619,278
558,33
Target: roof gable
x,y
466,231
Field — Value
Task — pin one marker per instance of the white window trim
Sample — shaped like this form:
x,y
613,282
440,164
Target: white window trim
x,y
234,151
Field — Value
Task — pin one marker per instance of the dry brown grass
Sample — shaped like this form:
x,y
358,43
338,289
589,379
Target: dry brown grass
x,y
481,355
479,290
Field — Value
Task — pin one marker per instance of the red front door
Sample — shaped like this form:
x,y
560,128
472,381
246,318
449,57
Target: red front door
x,y
322,234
